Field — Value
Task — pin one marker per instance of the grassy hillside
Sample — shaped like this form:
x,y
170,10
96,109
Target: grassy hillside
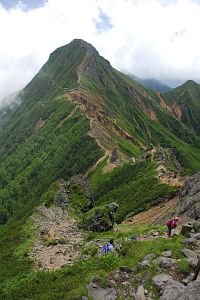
x,y
60,148
187,97
133,187
138,112
73,112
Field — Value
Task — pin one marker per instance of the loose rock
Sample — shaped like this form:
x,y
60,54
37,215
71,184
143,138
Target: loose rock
x,y
160,281
140,295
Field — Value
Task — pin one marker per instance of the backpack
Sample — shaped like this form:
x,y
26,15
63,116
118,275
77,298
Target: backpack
x,y
107,248
169,222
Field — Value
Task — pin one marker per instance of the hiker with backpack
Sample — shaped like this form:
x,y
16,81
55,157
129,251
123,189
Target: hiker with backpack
x,y
171,224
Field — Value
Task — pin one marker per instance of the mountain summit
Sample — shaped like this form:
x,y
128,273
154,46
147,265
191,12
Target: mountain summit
x,y
78,109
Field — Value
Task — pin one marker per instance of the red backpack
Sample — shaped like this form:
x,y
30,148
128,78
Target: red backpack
x,y
169,222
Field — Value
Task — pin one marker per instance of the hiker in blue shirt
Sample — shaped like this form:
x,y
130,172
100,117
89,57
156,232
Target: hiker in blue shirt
x,y
108,247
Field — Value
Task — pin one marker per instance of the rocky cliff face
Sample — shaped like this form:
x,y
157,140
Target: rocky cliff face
x,y
189,204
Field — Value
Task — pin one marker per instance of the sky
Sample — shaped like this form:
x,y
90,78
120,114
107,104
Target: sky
x,y
148,38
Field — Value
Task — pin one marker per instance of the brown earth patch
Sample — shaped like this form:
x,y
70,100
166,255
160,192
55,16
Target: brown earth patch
x,y
39,124
155,215
175,110
58,239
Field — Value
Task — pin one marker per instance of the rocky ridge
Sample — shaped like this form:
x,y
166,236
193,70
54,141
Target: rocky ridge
x,y
189,204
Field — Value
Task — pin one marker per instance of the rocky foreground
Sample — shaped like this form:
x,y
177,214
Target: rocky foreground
x,y
59,242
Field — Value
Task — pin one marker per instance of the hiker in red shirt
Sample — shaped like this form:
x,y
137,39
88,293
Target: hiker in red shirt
x,y
171,224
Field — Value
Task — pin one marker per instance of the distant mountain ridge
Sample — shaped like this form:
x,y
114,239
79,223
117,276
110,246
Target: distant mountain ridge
x,y
152,84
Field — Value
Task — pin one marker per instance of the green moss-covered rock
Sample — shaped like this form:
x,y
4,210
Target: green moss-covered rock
x,y
97,219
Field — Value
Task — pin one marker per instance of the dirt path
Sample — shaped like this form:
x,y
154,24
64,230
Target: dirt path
x,y
58,239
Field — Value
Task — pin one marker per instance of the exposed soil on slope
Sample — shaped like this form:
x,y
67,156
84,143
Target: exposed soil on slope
x,y
58,239
170,178
155,215
174,109
158,213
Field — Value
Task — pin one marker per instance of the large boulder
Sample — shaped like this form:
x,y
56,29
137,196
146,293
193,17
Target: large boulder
x,y
176,291
186,229
195,235
160,281
190,241
192,291
140,294
144,264
166,262
173,290
150,256
100,218
196,226
193,262
192,257
167,253
189,253
98,293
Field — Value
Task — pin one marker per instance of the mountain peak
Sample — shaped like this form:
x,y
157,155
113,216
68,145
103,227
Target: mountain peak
x,y
82,43
74,45
190,83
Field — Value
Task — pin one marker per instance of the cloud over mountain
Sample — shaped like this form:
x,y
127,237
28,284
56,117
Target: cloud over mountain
x,y
149,38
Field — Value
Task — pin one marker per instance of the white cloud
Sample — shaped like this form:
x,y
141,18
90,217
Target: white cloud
x,y
150,38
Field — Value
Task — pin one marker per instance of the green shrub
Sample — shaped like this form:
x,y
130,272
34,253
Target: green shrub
x,y
90,250
184,267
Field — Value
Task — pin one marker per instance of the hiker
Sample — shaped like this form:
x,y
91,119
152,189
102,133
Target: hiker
x,y
108,247
171,224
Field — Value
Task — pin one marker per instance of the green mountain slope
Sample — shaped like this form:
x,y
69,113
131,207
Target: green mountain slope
x,y
186,99
135,113
73,110
67,121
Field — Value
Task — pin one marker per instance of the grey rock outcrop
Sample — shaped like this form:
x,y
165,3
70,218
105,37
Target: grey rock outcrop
x,y
101,218
140,293
160,281
189,253
99,293
114,158
173,290
165,262
192,257
186,229
195,235
144,264
189,204
190,241
176,291
125,269
150,256
167,253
